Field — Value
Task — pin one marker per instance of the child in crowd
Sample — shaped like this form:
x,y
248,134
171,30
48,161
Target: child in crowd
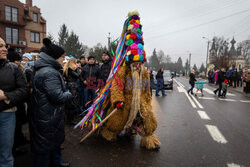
x,y
224,88
199,86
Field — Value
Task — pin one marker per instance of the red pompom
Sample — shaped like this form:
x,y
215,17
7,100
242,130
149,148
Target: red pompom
x,y
118,105
144,53
134,51
132,21
133,36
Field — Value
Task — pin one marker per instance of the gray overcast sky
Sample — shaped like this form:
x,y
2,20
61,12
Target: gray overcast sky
x,y
168,25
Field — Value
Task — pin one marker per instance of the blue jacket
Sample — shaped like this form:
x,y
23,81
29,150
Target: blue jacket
x,y
200,84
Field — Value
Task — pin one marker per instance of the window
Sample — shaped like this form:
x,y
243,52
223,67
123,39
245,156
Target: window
x,y
11,14
35,17
35,37
11,35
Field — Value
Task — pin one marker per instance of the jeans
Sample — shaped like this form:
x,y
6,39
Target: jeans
x,y
54,158
160,87
89,95
191,89
7,131
219,89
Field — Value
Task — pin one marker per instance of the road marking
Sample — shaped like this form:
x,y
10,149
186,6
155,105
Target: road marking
x,y
190,100
226,99
216,134
198,103
208,90
230,94
244,101
233,165
207,98
181,89
203,115
179,83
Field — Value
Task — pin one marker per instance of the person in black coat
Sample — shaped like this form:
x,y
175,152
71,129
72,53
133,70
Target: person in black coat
x,y
71,78
21,115
220,80
48,98
90,76
13,90
152,82
105,68
191,81
160,82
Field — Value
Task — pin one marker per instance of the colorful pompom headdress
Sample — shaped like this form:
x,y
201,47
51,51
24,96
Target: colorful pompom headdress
x,y
130,49
134,39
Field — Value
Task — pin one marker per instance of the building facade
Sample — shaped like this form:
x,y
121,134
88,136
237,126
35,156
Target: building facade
x,y
21,25
233,56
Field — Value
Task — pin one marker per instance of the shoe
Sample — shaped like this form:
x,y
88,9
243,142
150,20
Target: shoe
x,y
187,91
157,95
192,93
215,92
195,94
164,95
202,95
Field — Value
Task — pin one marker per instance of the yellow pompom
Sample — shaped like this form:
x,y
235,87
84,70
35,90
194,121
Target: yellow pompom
x,y
130,27
127,37
133,13
136,58
138,22
129,53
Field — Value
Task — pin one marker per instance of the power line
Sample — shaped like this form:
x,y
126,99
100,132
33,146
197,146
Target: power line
x,y
199,25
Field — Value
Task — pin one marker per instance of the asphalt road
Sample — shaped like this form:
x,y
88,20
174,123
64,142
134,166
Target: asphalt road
x,y
194,132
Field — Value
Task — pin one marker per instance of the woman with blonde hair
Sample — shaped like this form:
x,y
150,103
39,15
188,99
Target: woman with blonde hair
x,y
71,76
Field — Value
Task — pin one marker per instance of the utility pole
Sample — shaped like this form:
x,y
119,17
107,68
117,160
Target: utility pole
x,y
207,57
190,61
109,42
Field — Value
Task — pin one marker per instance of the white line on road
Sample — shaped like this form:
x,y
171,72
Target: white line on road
x,y
191,101
244,101
203,115
230,94
181,89
198,103
216,134
233,165
207,98
226,99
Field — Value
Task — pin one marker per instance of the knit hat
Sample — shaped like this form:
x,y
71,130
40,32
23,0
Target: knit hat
x,y
134,39
91,57
28,56
13,55
51,49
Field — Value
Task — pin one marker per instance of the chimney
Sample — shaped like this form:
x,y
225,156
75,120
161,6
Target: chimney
x,y
29,3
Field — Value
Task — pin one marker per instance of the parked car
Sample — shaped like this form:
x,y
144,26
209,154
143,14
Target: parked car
x,y
168,79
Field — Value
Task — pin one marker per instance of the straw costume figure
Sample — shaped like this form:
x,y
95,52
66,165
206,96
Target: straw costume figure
x,y
127,90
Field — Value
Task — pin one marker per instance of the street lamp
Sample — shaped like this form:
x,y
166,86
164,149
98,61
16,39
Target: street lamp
x,y
189,60
207,53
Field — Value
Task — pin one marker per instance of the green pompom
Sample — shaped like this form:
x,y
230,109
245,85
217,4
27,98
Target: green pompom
x,y
138,30
129,42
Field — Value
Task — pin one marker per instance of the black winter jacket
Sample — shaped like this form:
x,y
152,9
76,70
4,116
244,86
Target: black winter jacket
x,y
105,70
48,99
221,77
192,79
13,83
91,71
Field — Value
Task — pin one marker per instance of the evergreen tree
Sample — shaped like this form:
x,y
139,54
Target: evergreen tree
x,y
179,65
202,68
52,39
73,46
154,62
63,36
97,51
